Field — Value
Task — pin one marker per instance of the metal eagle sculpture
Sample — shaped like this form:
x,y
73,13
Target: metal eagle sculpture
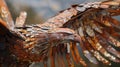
x,y
90,26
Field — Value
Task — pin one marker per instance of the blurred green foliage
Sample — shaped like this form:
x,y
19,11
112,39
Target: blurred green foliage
x,y
32,17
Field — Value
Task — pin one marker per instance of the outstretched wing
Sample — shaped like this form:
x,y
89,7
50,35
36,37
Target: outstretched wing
x,y
97,32
98,26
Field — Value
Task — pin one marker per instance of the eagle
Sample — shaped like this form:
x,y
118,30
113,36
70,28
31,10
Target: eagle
x,y
84,31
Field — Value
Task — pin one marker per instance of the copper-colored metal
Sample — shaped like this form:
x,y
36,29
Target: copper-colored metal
x,y
4,11
90,26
